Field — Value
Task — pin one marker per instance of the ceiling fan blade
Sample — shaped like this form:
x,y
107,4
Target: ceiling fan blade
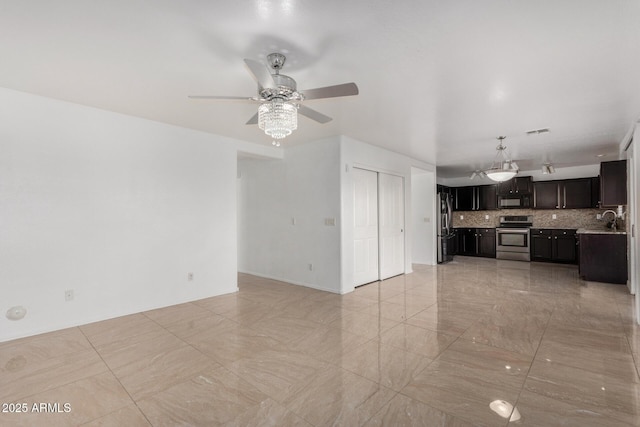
x,y
253,120
241,98
313,114
261,74
346,89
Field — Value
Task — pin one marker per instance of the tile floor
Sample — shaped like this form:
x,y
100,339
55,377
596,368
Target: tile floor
x,y
455,345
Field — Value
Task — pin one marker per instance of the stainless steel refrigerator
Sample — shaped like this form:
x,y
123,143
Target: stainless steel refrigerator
x,y
446,233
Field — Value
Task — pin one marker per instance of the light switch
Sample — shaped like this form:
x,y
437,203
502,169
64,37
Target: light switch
x,y
330,221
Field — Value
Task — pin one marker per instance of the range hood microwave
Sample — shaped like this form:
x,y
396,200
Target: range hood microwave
x,y
514,202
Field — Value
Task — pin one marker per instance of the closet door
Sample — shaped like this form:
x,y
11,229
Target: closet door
x,y
365,225
391,218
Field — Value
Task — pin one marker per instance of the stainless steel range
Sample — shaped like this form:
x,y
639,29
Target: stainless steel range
x,y
513,237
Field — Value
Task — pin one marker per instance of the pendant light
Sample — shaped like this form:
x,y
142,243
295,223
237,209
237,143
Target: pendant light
x,y
503,168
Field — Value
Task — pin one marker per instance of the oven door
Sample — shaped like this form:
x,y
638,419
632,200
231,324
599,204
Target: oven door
x,y
512,240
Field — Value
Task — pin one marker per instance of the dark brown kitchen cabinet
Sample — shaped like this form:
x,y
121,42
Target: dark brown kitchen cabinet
x,y
553,245
603,258
575,193
487,197
545,195
595,192
519,185
486,242
465,198
564,246
541,245
477,242
466,241
474,198
563,194
613,183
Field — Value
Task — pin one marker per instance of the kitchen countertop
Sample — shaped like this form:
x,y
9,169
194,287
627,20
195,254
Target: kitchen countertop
x,y
552,228
598,231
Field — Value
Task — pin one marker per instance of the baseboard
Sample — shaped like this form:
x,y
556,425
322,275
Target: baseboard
x,y
293,282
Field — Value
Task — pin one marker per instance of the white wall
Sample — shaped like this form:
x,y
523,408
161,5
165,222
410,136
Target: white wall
x,y
423,216
355,153
304,186
117,208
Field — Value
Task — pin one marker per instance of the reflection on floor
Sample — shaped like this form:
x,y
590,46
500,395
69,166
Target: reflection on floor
x,y
472,342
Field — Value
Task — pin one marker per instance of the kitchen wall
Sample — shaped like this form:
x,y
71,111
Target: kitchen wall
x,y
116,208
565,218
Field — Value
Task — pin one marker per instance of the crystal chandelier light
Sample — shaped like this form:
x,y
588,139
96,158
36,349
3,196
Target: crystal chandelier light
x,y
277,118
503,168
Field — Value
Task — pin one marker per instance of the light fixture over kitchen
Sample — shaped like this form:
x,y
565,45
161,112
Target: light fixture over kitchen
x,y
503,168
548,168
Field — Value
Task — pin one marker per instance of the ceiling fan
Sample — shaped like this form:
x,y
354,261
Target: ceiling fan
x,y
280,100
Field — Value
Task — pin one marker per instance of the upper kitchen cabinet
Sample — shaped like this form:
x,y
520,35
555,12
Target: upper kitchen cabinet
x,y
488,197
520,185
576,193
464,198
564,194
474,198
545,195
613,183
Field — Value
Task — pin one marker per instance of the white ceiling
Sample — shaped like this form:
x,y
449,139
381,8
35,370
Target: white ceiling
x,y
439,80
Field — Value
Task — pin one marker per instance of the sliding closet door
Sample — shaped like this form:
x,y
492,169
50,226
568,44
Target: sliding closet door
x,y
391,218
365,225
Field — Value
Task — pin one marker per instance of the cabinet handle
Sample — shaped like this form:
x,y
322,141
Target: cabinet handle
x,y
549,237
564,206
556,237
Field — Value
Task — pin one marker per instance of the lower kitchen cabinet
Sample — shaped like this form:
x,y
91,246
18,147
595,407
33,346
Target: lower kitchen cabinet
x,y
486,246
466,241
477,242
603,257
553,245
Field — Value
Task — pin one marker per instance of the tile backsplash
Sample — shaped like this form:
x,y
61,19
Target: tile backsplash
x,y
565,218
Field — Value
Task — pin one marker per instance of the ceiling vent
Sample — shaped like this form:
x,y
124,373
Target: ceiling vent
x,y
537,131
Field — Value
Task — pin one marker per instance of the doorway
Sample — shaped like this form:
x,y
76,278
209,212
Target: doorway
x,y
378,223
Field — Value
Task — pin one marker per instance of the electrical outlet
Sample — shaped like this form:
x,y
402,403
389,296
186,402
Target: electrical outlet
x,y
190,277
554,216
486,217
461,216
598,216
68,295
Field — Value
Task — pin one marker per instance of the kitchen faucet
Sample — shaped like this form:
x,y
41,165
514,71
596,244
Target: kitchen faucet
x,y
615,217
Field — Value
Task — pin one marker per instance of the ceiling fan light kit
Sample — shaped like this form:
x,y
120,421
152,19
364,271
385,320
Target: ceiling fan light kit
x,y
503,168
277,118
280,101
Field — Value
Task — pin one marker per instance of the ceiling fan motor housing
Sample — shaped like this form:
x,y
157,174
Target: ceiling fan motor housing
x,y
285,89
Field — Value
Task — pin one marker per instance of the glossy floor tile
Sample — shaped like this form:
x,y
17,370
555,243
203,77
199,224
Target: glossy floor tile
x,y
475,342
